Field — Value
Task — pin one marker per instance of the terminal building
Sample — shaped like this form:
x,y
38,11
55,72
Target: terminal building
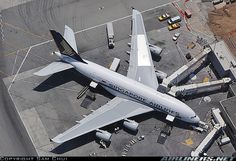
x,y
228,109
222,60
225,65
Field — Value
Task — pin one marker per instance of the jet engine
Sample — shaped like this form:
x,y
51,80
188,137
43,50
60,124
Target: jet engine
x,y
160,75
130,124
103,135
155,50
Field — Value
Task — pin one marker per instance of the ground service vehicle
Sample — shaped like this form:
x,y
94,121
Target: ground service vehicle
x,y
164,17
215,2
174,20
173,26
188,13
176,36
110,35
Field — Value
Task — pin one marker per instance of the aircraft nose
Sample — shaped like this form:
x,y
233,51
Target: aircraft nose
x,y
196,119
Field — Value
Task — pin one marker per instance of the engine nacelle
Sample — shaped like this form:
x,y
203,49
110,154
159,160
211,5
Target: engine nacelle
x,y
130,124
160,75
155,49
103,135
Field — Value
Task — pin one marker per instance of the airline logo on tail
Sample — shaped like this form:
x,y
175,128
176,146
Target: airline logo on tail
x,y
67,49
64,47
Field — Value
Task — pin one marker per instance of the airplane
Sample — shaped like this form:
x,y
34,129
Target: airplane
x,y
135,93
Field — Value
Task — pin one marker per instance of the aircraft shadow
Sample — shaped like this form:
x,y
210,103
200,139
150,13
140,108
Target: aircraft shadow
x,y
82,140
100,90
60,78
66,76
162,117
89,137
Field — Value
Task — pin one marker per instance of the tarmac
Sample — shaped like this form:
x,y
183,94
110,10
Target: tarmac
x,y
14,140
48,106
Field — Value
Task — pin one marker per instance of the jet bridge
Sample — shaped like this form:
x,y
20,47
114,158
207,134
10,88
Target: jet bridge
x,y
206,142
217,117
218,127
197,88
185,70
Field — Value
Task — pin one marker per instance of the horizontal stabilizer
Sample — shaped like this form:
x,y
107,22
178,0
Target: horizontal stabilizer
x,y
52,68
170,118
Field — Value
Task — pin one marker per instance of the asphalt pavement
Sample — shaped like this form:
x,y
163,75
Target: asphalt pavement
x,y
82,15
12,142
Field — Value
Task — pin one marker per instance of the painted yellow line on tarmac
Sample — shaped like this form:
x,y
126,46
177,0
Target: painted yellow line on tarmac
x,y
188,142
10,44
18,28
4,73
206,79
11,53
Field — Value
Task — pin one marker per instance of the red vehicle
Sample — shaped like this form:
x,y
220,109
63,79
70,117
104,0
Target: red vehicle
x,y
188,14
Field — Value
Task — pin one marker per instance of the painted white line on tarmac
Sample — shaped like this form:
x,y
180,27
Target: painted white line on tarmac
x,y
13,68
106,23
1,27
19,68
24,61
121,18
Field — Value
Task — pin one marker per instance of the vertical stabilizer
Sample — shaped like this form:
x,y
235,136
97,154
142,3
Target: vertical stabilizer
x,y
69,36
64,47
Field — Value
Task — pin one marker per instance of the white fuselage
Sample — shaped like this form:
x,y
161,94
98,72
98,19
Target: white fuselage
x,y
127,88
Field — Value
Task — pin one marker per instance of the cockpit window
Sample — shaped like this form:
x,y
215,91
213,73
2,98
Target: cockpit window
x,y
193,117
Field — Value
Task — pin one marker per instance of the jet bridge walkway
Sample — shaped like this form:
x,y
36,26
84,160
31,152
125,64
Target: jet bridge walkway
x,y
185,70
217,128
197,88
206,142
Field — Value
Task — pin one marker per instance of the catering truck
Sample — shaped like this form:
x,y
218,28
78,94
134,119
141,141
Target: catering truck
x,y
110,35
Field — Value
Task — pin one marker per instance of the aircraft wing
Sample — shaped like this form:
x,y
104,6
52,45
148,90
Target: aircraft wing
x,y
141,67
115,110
52,68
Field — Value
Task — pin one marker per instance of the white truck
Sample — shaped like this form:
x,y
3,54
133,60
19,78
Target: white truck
x,y
110,35
174,20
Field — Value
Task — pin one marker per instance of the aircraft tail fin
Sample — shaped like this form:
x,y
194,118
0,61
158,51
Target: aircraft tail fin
x,y
64,47
69,36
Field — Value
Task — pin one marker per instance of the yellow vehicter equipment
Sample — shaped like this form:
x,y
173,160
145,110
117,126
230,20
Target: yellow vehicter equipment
x,y
191,45
164,17
173,26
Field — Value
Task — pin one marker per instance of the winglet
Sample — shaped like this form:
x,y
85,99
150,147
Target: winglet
x,y
57,139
